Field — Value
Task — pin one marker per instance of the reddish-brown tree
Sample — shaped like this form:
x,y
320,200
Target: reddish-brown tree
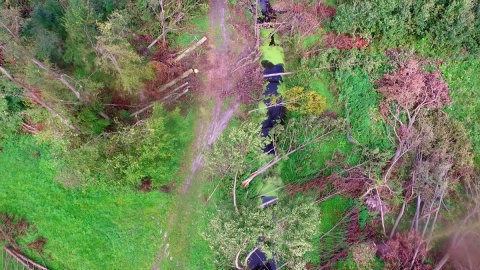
x,y
398,252
407,91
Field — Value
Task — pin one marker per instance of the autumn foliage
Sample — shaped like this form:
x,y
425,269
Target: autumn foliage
x,y
324,11
411,86
398,252
304,102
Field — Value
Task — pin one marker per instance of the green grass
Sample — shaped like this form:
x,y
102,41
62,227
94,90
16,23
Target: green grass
x,y
332,211
321,84
9,263
366,123
85,229
273,54
313,39
189,215
195,29
306,163
462,77
303,165
349,264
192,217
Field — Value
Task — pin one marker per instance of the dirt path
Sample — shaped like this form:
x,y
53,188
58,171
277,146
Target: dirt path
x,y
218,124
218,82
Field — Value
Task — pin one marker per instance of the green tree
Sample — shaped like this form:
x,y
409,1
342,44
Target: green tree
x,y
450,25
10,106
283,227
151,149
117,57
236,151
79,24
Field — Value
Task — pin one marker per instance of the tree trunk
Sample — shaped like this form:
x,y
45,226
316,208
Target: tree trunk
x,y
399,217
30,94
134,114
235,194
442,262
191,48
174,81
395,159
58,77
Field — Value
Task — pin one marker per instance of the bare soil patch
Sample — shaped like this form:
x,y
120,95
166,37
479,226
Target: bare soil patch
x,y
12,228
146,185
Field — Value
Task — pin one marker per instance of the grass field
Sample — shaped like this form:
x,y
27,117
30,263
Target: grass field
x,y
85,229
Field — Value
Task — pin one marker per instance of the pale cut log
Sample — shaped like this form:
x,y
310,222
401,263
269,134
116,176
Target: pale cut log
x,y
183,76
190,49
277,74
155,41
152,104
58,77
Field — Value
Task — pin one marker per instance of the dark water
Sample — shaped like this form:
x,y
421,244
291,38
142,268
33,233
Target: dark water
x,y
258,261
275,111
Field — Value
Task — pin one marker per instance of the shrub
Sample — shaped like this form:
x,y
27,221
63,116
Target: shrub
x,y
153,149
304,102
283,228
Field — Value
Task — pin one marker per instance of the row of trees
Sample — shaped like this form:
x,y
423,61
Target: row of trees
x,y
451,25
72,70
76,56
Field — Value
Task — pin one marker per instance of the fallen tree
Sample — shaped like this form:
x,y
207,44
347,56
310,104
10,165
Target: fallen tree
x,y
294,136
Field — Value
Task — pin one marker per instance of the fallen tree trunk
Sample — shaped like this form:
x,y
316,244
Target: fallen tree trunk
x,y
291,150
190,49
399,217
58,77
260,171
31,95
235,194
28,263
174,81
163,99
277,74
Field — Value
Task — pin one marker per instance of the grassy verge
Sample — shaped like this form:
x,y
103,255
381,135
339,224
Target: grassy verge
x,y
186,247
194,29
330,236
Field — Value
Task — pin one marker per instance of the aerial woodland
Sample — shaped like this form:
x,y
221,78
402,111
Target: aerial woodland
x,y
239,134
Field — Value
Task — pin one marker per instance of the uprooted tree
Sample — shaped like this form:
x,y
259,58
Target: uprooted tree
x,y
294,136
435,151
407,92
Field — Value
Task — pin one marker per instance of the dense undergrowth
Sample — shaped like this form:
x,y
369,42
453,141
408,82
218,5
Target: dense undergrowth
x,y
150,150
356,74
